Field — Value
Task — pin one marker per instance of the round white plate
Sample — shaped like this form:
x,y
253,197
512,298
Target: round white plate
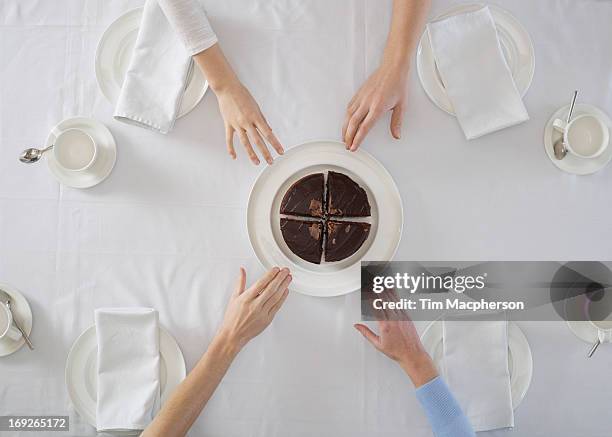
x,y
82,378
571,163
107,154
520,362
263,218
23,314
516,46
113,59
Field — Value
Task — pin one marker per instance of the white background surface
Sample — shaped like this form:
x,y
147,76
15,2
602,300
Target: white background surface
x,y
167,229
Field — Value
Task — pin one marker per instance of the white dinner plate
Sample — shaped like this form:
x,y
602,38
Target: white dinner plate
x,y
105,162
82,377
520,361
263,217
23,314
516,46
113,59
571,163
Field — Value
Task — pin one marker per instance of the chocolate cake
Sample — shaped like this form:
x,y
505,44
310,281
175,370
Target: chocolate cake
x,y
304,238
344,238
345,198
305,197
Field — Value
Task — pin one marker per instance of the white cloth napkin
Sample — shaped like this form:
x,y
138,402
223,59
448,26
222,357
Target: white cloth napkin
x,y
158,74
128,368
475,366
475,74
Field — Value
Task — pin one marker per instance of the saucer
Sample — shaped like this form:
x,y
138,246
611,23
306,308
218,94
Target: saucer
x,y
516,46
571,163
82,378
23,314
107,154
520,361
113,57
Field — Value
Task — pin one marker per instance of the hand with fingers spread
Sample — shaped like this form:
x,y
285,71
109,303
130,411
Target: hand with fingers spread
x,y
399,340
241,114
251,310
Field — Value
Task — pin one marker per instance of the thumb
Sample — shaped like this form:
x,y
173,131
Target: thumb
x,y
396,121
368,334
241,283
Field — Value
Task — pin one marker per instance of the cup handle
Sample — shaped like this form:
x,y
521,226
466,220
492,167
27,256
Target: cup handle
x,y
559,125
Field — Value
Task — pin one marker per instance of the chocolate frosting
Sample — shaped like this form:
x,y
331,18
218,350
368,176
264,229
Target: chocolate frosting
x,y
344,238
305,197
345,198
304,238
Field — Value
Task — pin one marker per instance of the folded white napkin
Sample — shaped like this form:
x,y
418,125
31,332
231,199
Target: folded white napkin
x,y
128,368
475,366
475,74
158,74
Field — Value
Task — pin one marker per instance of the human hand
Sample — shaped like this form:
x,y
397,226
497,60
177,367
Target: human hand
x,y
242,117
384,90
399,340
251,310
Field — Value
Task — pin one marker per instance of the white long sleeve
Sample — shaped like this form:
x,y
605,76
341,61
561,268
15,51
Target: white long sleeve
x,y
188,19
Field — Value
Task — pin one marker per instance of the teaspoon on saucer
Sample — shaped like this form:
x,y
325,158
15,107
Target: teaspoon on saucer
x,y
559,146
32,155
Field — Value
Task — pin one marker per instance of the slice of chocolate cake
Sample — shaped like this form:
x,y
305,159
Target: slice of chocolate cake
x,y
305,197
304,238
344,238
345,198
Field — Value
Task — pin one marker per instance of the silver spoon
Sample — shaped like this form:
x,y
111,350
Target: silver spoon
x,y
32,154
559,146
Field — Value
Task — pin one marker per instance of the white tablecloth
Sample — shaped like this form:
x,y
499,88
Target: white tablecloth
x,y
167,229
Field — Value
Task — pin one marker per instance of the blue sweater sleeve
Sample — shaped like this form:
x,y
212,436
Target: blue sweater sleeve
x,y
443,411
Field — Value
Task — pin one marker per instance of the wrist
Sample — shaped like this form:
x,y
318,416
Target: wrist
x,y
419,367
226,343
397,61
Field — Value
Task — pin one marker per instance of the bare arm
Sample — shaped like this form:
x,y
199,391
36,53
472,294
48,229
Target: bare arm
x,y
239,110
385,89
248,313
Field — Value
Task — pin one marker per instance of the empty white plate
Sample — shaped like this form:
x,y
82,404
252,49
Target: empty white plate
x,y
82,377
263,217
520,362
516,46
113,59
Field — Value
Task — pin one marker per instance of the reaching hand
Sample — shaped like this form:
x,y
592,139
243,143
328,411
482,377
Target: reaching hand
x,y
251,310
384,90
400,341
243,117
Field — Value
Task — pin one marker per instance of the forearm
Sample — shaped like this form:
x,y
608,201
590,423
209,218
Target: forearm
x,y
216,69
407,24
182,409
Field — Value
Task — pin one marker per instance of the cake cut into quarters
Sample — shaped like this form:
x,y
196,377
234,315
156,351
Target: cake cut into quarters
x,y
316,229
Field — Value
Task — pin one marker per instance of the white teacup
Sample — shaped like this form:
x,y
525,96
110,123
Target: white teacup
x,y
585,136
75,150
7,329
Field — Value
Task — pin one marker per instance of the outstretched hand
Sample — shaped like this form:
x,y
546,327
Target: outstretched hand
x,y
399,340
384,90
251,310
